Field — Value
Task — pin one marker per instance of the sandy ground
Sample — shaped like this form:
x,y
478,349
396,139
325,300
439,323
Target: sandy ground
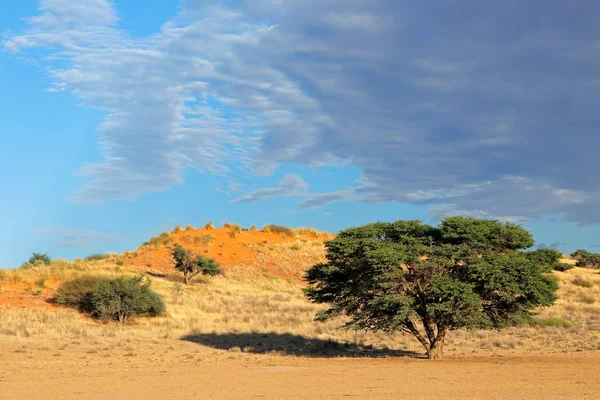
x,y
190,371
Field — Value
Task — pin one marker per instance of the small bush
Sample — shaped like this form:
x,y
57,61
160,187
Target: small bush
x,y
44,258
111,299
209,225
253,228
177,229
204,239
282,230
120,262
96,257
562,267
189,227
579,281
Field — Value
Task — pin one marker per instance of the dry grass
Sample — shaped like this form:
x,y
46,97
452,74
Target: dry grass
x,y
265,298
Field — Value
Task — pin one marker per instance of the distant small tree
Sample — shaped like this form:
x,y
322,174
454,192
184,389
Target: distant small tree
x,y
37,258
191,265
425,280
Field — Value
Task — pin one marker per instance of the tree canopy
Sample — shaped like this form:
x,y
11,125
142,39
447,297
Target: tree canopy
x,y
426,280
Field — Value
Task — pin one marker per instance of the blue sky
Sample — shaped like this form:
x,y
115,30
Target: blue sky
x,y
121,119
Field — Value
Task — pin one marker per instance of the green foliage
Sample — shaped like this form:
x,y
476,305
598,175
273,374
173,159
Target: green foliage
x,y
96,257
190,265
562,267
282,230
546,258
111,299
120,262
586,259
424,280
40,259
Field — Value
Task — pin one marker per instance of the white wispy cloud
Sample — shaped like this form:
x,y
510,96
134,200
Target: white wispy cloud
x,y
290,185
478,107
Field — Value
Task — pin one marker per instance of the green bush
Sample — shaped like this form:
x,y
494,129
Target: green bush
x,y
96,257
562,267
43,258
586,259
111,299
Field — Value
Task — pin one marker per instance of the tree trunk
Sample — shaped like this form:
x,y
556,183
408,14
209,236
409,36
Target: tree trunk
x,y
436,350
185,279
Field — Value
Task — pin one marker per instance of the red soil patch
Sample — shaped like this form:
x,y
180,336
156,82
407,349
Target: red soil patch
x,y
226,250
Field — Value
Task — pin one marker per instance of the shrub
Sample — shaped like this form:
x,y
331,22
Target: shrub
x,y
307,231
44,258
120,262
562,267
96,257
253,228
233,229
189,227
282,230
586,259
111,299
177,229
209,225
204,239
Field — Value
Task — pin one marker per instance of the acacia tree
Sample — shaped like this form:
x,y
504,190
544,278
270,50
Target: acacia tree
x,y
192,265
424,280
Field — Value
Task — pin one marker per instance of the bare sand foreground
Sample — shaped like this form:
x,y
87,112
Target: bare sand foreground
x,y
191,371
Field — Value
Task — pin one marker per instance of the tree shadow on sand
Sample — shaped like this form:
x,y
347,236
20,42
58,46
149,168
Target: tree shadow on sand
x,y
294,345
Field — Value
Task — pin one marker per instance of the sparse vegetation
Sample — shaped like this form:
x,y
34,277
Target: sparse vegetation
x,y
205,239
209,225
